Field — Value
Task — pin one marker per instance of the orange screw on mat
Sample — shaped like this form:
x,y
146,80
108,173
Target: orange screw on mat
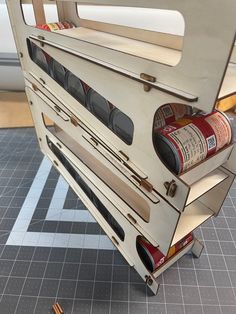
x,y
57,309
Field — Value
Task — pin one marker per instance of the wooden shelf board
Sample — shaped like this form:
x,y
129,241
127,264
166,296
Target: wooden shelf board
x,y
192,217
134,47
205,184
226,103
141,49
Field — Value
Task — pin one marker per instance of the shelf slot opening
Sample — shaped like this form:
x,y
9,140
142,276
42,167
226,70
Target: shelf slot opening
x,y
93,198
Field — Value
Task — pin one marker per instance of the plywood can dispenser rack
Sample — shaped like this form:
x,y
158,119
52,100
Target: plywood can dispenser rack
x,y
137,74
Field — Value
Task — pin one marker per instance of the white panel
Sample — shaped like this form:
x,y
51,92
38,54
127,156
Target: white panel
x,y
164,21
7,43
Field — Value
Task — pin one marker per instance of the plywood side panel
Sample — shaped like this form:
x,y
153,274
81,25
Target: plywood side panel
x,y
39,11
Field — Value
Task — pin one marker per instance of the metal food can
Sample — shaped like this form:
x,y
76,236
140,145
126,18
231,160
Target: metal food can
x,y
122,125
99,106
149,254
76,88
183,242
52,27
58,72
187,141
153,258
41,58
169,113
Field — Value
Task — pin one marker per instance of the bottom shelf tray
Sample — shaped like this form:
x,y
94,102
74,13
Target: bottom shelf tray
x,y
123,235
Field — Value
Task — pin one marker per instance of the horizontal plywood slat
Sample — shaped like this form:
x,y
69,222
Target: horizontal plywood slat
x,y
205,184
130,46
193,216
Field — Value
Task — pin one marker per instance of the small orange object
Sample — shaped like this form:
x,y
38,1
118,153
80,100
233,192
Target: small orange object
x,y
57,309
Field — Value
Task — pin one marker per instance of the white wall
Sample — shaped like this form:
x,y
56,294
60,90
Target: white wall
x,y
171,22
10,76
7,41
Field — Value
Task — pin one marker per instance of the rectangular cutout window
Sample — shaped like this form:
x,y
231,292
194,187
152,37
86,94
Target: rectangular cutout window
x,y
38,12
151,34
164,21
93,198
117,121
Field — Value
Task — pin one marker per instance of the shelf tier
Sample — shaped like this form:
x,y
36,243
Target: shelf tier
x,y
200,180
205,184
156,53
126,45
193,216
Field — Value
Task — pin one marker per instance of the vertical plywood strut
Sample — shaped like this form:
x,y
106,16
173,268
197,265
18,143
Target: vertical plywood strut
x,y
39,11
61,11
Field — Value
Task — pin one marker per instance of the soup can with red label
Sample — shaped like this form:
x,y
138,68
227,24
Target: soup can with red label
x,y
52,27
122,125
169,113
99,106
187,141
40,57
58,72
153,258
76,87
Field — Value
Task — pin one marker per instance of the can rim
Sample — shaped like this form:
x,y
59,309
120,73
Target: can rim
x,y
52,67
175,154
230,123
35,49
142,245
67,75
105,104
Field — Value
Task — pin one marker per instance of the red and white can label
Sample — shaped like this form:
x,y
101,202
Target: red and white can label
x,y
221,128
191,145
52,27
198,137
170,113
156,257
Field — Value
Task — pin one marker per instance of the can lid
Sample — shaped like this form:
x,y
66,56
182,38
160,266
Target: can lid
x,y
99,106
226,115
145,255
75,88
122,125
167,152
58,72
39,57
